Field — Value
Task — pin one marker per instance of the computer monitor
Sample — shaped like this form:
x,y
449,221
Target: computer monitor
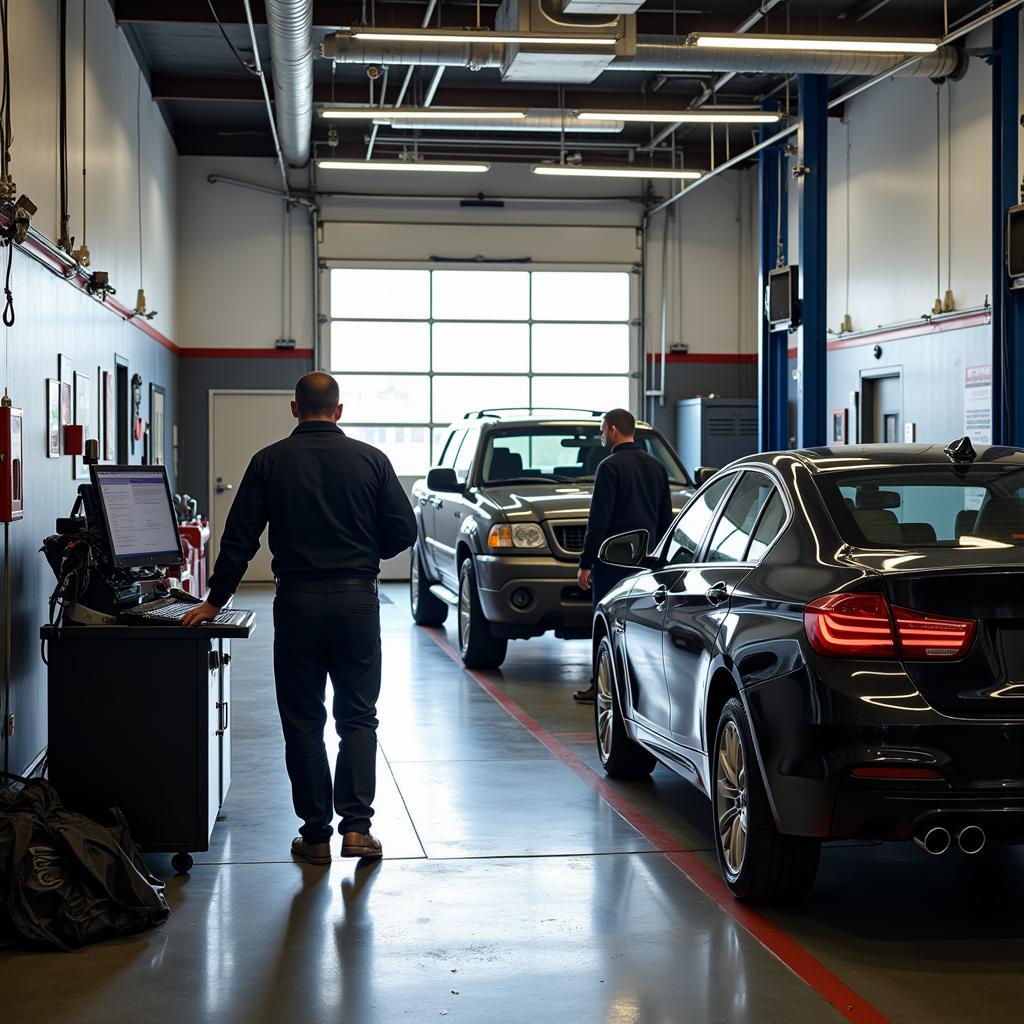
x,y
138,515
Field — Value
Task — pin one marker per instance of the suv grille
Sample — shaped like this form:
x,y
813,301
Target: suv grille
x,y
570,537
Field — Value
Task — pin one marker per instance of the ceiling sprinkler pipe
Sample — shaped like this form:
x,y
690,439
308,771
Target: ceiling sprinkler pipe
x,y
290,25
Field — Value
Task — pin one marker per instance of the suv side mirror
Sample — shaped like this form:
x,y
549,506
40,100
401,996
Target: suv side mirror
x,y
443,478
627,550
703,474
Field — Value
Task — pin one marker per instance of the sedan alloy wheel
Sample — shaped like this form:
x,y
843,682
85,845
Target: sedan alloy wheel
x,y
731,805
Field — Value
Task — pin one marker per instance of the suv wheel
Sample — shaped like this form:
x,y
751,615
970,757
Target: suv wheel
x,y
621,757
758,863
478,646
426,609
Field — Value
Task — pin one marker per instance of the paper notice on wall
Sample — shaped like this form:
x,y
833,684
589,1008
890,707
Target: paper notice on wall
x,y
978,404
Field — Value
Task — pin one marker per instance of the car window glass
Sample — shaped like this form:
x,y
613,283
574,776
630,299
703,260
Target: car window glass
x,y
691,526
768,528
465,457
451,448
729,541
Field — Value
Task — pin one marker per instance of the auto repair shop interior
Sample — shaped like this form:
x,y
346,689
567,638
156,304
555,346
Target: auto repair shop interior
x,y
788,236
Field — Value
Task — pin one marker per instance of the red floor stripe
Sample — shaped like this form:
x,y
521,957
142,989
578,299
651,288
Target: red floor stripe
x,y
803,964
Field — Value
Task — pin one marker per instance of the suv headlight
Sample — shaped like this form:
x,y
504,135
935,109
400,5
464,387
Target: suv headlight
x,y
516,535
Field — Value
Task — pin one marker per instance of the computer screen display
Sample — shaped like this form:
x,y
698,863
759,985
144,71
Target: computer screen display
x,y
139,516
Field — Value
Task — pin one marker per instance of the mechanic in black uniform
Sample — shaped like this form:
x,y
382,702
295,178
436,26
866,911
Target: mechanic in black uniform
x,y
631,492
335,509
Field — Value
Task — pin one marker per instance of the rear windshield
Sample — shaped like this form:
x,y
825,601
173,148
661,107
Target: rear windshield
x,y
563,454
927,506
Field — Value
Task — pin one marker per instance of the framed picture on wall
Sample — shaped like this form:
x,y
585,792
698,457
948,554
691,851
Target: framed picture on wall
x,y
157,425
67,409
84,418
109,417
840,420
53,425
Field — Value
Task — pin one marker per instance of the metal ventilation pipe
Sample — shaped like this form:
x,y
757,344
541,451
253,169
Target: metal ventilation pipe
x,y
654,53
290,23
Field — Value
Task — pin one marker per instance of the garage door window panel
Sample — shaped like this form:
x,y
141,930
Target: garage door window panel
x,y
364,346
408,448
481,295
358,294
581,348
454,396
385,398
580,295
481,348
592,393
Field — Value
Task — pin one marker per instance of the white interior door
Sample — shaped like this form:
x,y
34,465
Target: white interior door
x,y
241,423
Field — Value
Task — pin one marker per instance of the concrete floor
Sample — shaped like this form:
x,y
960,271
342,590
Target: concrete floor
x,y
511,890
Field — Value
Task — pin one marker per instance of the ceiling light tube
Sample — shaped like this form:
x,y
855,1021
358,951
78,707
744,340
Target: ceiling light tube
x,y
426,35
452,167
570,171
815,43
681,116
420,114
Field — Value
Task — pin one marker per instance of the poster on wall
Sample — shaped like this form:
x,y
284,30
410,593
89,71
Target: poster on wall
x,y
978,404
67,410
109,423
53,430
83,417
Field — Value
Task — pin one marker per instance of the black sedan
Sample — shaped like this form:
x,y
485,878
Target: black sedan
x,y
829,643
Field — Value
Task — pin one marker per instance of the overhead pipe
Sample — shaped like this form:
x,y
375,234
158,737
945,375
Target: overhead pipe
x,y
536,120
290,24
258,67
653,54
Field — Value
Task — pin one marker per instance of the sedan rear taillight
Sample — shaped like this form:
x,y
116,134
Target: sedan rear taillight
x,y
931,636
850,626
864,626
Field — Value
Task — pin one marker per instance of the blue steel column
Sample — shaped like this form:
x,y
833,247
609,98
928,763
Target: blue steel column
x,y
773,346
1007,303
812,190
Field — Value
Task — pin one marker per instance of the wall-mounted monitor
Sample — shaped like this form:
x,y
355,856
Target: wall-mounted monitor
x,y
783,299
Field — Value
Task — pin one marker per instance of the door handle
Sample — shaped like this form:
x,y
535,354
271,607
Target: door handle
x,y
660,596
718,594
223,717
222,487
423,501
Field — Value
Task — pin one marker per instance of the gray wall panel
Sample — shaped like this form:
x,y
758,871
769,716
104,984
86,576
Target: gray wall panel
x,y
54,317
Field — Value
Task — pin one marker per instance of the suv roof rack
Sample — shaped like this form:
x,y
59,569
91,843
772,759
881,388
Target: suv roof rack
x,y
529,411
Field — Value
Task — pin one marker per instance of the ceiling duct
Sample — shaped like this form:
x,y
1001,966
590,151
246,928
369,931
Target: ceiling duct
x,y
524,63
653,54
290,24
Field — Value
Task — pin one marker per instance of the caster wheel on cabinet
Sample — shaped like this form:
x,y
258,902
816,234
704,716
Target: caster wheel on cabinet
x,y
182,863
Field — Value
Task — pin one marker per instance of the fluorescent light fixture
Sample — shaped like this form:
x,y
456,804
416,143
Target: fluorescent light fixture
x,y
755,41
451,167
420,114
681,116
428,35
570,171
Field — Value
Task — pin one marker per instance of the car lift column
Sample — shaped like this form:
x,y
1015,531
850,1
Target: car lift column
x,y
812,190
1007,302
773,351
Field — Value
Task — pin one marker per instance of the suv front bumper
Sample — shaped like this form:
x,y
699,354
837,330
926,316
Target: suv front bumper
x,y
523,596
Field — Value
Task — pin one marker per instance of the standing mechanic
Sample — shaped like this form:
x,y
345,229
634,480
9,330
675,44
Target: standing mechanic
x,y
335,509
631,492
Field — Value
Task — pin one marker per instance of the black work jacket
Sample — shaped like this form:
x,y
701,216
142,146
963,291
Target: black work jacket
x,y
334,505
631,492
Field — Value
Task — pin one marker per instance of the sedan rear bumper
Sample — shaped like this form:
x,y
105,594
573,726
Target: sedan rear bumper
x,y
528,596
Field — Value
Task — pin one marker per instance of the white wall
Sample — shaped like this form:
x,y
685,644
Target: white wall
x,y
901,185
112,77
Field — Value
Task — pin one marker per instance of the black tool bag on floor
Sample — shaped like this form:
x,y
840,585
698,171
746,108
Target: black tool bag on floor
x,y
66,880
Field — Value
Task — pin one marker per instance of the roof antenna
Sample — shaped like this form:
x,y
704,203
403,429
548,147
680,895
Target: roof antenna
x,y
961,450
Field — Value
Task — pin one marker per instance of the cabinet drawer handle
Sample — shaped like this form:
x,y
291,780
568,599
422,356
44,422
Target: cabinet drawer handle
x,y
223,716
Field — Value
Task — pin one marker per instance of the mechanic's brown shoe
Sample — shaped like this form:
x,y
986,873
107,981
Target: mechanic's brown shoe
x,y
314,853
355,844
585,696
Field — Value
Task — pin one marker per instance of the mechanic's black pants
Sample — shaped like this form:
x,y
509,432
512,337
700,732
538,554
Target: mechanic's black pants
x,y
320,630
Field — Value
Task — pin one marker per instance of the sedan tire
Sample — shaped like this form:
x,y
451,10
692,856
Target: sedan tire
x,y
758,863
479,647
621,757
426,609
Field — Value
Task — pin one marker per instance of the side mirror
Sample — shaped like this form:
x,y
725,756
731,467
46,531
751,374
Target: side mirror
x,y
627,550
703,474
443,478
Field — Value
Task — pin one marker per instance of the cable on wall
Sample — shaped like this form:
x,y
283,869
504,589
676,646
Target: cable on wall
x,y
140,298
247,65
64,240
81,254
7,187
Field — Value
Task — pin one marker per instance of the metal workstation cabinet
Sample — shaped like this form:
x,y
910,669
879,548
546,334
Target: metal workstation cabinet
x,y
714,431
139,719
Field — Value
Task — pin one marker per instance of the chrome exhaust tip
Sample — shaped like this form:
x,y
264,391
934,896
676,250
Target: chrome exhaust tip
x,y
971,839
935,840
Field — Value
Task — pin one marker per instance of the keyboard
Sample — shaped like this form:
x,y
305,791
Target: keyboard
x,y
167,611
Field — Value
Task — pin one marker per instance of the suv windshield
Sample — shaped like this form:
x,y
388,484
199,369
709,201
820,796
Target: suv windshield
x,y
563,454
927,506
